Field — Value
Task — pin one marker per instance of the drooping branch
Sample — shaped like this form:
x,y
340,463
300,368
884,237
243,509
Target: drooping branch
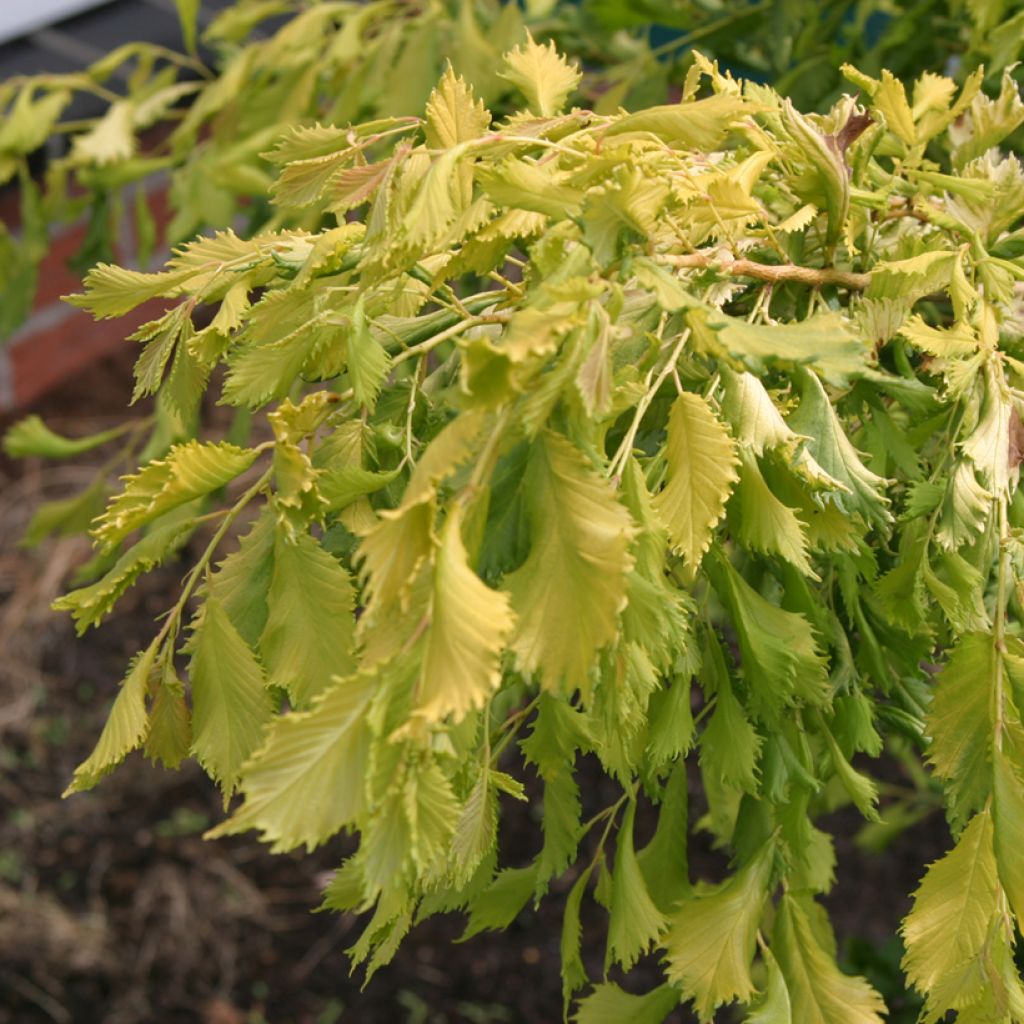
x,y
815,276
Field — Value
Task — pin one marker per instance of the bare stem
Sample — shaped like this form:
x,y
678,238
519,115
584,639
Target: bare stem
x,y
171,623
618,463
771,272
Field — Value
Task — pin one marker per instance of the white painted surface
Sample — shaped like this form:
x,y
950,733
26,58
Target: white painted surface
x,y
19,17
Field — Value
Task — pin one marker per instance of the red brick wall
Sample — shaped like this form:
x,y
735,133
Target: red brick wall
x,y
58,341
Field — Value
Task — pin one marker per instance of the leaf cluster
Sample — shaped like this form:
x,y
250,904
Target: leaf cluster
x,y
113,132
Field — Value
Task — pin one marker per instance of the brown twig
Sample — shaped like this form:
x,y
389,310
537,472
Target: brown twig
x,y
815,276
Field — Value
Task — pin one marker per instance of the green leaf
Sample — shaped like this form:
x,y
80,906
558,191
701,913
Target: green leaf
x,y
162,338
861,790
579,558
574,974
826,343
671,725
433,814
125,727
500,903
343,485
701,460
609,1004
912,278
988,445
826,169
527,185
476,831
188,15
309,636
113,291
729,744
890,99
947,930
657,615
957,340
1008,818
818,990
453,114
230,702
111,139
561,824
663,860
189,471
90,605
711,938
241,583
306,781
29,121
774,1006
260,372
542,75
31,436
816,418
755,419
695,124
966,508
780,658
169,739
765,524
469,624
635,923
960,724
393,550
434,206
558,731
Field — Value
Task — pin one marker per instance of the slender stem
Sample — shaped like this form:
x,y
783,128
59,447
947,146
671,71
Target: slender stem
x,y
625,449
414,380
425,346
174,616
511,725
816,276
610,812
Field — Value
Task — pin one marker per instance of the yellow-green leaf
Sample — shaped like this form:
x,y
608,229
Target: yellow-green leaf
x,y
947,930
635,923
961,726
579,559
819,992
609,1004
31,436
453,113
90,605
1008,817
125,728
701,458
230,702
469,623
169,739
542,75
307,780
189,471
112,291
711,938
309,635
765,524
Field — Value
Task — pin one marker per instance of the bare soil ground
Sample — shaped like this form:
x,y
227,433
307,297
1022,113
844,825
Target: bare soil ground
x,y
114,910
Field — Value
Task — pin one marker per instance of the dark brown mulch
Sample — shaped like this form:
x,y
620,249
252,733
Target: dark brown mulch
x,y
114,910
